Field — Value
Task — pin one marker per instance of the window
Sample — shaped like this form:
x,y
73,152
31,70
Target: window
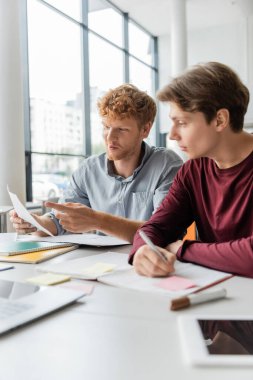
x,y
77,50
140,43
55,82
106,71
105,21
141,75
71,8
51,175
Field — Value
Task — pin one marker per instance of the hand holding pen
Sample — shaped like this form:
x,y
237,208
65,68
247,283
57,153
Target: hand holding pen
x,y
152,246
153,261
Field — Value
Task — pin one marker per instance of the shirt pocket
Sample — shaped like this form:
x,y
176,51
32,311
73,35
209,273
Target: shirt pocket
x,y
142,204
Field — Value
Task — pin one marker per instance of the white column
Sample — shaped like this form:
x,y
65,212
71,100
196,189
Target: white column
x,y
246,7
249,63
178,34
175,47
12,158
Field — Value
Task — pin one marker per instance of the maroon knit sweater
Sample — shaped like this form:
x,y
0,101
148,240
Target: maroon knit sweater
x,y
220,201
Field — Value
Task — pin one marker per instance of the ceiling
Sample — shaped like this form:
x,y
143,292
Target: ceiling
x,y
154,15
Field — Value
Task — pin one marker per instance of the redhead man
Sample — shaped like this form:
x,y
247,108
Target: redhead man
x,y
214,188
117,191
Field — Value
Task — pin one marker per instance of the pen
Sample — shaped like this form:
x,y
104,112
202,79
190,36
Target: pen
x,y
152,246
194,299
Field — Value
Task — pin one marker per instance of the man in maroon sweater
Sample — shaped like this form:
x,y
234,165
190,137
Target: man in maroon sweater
x,y
213,188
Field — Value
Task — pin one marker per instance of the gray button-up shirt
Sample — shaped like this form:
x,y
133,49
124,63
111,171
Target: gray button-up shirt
x,y
95,185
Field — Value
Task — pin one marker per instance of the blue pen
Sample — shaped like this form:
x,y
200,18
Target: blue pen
x,y
152,246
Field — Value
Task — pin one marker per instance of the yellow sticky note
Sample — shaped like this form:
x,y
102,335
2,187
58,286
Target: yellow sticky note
x,y
48,279
99,268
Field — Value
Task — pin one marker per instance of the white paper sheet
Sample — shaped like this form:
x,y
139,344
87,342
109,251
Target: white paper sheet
x,y
7,237
124,275
77,268
24,214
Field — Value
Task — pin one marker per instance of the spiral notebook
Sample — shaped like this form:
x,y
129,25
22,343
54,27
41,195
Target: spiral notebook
x,y
22,247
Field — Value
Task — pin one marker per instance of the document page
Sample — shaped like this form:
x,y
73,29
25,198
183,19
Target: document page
x,y
176,284
24,214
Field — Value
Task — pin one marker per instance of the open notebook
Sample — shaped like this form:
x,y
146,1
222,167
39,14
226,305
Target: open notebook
x,y
80,239
112,268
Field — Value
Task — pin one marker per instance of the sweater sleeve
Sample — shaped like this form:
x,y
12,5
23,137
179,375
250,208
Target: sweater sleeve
x,y
170,220
234,256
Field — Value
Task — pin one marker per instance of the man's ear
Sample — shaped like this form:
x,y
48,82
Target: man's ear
x,y
222,119
146,129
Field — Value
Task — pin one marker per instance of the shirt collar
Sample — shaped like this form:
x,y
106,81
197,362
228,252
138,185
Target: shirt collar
x,y
109,165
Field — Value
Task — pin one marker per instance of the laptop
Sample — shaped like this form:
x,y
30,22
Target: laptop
x,y
21,303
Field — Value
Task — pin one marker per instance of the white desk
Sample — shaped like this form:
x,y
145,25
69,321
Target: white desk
x,y
113,334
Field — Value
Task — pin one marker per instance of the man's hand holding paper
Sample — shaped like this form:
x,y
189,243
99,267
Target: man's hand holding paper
x,y
21,226
24,222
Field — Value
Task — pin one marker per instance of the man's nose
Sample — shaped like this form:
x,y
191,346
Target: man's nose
x,y
172,134
111,134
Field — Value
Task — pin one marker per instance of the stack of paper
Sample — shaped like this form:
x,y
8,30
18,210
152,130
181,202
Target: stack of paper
x,y
37,256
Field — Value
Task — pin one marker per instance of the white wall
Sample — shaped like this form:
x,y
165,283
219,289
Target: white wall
x,y
12,160
222,43
228,44
231,44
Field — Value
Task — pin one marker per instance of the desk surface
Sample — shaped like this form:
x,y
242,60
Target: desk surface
x,y
113,334
5,209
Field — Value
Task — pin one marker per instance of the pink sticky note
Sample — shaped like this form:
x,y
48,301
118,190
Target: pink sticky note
x,y
175,283
88,289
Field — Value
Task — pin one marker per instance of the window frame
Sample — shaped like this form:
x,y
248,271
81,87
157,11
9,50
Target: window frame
x,y
87,144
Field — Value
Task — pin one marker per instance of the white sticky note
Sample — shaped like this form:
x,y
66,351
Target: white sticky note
x,y
24,214
48,279
98,269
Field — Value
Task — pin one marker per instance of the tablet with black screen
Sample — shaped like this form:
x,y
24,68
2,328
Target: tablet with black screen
x,y
217,340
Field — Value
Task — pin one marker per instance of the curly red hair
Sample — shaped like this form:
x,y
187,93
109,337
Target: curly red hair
x,y
127,101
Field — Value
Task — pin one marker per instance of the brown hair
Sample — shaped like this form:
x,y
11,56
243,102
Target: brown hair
x,y
127,101
207,88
